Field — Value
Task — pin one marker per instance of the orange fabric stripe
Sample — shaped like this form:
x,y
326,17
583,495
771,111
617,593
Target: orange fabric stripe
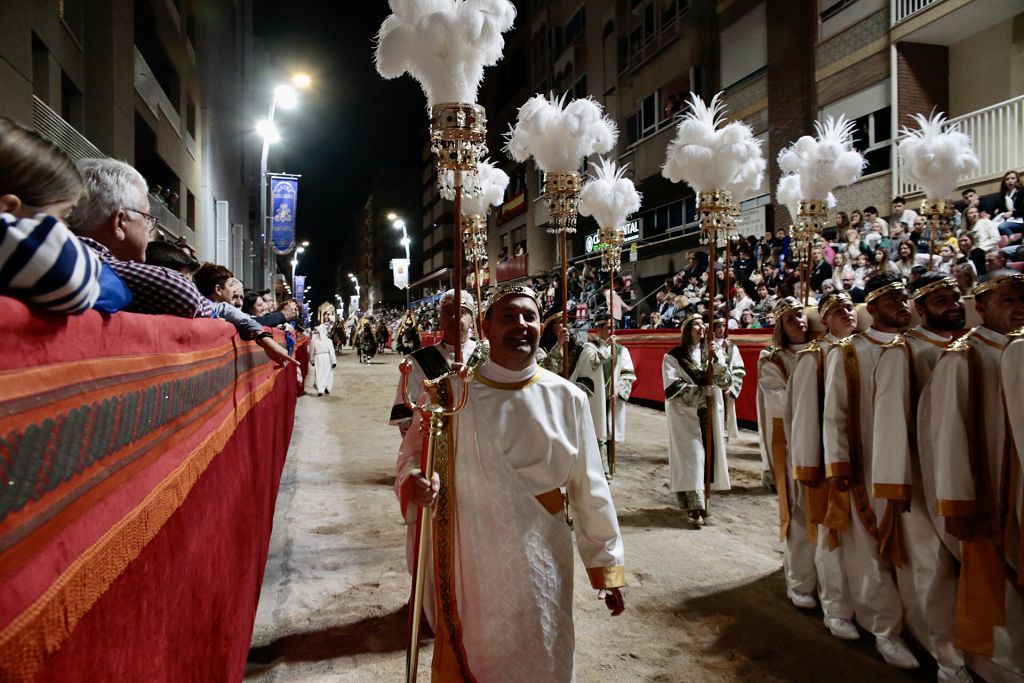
x,y
801,473
42,628
980,597
892,491
957,508
838,469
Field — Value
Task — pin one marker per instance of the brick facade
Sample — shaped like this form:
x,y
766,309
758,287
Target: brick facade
x,y
923,77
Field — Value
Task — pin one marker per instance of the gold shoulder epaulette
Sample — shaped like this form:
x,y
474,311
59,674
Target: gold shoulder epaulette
x,y
1019,332
961,343
813,347
846,341
898,340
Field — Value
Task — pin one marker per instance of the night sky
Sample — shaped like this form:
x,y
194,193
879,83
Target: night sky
x,y
351,123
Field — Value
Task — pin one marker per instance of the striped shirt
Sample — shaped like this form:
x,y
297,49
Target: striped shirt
x,y
42,262
155,290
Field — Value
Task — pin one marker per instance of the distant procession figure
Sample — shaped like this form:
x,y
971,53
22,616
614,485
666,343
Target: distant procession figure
x,y
734,360
366,339
620,382
684,375
323,359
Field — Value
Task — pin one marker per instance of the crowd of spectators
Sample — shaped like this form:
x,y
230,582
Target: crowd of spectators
x,y
79,236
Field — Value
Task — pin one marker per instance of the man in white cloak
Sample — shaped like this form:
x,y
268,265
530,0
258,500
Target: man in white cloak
x,y
597,356
500,571
927,576
978,477
734,359
323,359
861,519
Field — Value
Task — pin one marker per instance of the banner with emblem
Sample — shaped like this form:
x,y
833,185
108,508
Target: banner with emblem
x,y
284,195
400,270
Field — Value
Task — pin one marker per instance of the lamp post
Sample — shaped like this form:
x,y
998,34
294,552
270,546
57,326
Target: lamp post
x,y
356,282
399,224
284,96
295,260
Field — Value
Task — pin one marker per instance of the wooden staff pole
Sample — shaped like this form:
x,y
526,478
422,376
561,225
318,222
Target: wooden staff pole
x,y
457,176
709,336
728,289
565,301
611,341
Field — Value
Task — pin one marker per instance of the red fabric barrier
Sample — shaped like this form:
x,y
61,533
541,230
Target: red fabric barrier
x,y
648,348
142,456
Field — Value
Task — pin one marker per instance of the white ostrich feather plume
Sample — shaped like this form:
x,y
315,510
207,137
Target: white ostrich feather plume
x,y
443,44
481,190
826,161
608,196
709,156
559,135
934,158
789,194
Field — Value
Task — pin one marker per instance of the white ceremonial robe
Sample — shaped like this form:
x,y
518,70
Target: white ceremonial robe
x,y
928,577
952,409
774,368
624,377
685,444
401,416
323,358
876,600
522,435
804,393
737,371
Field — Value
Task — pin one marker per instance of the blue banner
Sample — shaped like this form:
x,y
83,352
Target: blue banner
x,y
284,194
299,287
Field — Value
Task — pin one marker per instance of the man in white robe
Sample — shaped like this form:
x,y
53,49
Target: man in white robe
x,y
737,371
502,563
689,397
848,446
617,383
978,480
804,393
927,576
430,362
323,359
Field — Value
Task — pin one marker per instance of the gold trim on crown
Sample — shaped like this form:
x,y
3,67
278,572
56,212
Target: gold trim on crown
x,y
835,300
884,291
511,290
928,289
467,300
998,282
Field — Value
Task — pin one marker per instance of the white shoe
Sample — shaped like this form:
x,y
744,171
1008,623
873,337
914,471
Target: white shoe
x,y
844,629
895,653
948,674
801,600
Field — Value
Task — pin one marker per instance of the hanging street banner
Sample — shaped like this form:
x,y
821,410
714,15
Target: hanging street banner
x,y
299,287
400,270
284,194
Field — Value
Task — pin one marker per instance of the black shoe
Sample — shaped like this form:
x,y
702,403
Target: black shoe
x,y
327,391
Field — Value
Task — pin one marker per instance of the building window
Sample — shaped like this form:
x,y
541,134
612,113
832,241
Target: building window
x,y
873,139
648,26
70,101
579,89
190,216
669,217
190,116
70,13
744,46
576,25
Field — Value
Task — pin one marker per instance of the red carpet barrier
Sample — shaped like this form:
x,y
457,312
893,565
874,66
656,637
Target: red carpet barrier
x,y
648,347
140,458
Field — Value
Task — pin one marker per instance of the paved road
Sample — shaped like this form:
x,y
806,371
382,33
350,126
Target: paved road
x,y
703,605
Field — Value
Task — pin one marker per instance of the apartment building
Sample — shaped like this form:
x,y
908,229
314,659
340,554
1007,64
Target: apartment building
x,y
144,81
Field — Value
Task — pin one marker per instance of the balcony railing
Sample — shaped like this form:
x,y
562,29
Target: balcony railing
x,y
51,126
997,135
903,9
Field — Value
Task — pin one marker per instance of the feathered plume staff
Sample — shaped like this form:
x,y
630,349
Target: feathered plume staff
x,y
788,193
610,197
559,136
936,158
717,161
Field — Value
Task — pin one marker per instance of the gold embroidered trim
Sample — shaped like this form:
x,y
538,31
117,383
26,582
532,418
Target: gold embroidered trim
x,y
607,577
510,386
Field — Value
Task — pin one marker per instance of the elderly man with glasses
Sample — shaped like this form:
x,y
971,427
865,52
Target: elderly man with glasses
x,y
114,221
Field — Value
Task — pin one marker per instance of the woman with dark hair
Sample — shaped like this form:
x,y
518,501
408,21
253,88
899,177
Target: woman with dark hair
x,y
687,393
1011,207
253,304
41,261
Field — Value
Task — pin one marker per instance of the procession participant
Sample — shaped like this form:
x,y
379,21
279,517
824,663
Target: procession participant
x,y
323,359
685,379
803,423
848,447
621,383
774,367
367,340
737,371
501,567
553,339
926,579
408,335
430,362
978,480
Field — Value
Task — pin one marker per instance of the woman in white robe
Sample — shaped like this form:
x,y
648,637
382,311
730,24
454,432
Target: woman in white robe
x,y
323,359
684,376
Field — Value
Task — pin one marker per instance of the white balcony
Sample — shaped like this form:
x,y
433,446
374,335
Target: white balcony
x,y
944,22
997,135
903,9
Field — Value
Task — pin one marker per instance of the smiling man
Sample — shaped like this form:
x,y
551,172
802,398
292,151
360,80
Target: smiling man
x,y
499,585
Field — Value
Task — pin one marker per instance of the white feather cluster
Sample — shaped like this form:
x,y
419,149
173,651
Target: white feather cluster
x,y
608,196
826,161
709,156
481,190
934,158
559,135
443,44
788,193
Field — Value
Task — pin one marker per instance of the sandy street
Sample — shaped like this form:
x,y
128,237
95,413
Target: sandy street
x,y
702,605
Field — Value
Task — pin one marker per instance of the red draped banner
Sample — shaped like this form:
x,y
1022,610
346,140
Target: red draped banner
x,y
139,460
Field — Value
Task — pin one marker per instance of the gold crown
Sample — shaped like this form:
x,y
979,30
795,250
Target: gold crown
x,y
1003,281
510,290
928,289
784,306
467,300
829,303
883,291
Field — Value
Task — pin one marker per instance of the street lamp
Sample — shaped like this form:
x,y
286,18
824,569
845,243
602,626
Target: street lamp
x,y
286,98
399,224
355,281
295,259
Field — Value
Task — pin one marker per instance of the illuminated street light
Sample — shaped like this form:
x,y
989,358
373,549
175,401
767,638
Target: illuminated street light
x,y
392,215
286,97
268,131
302,80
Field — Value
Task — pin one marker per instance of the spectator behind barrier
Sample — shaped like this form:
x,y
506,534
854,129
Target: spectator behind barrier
x,y
169,255
114,221
42,261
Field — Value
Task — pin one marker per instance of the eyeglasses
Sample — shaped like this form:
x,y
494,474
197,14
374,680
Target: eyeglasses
x,y
151,220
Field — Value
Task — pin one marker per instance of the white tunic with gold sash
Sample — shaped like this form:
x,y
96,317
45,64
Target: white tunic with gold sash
x,y
520,437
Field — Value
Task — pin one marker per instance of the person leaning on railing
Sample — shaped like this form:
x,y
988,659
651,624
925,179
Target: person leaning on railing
x,y
41,261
